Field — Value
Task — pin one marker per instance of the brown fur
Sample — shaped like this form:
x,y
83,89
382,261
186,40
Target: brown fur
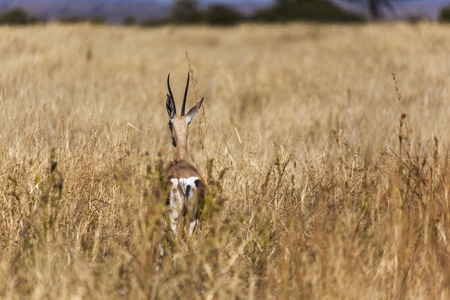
x,y
183,169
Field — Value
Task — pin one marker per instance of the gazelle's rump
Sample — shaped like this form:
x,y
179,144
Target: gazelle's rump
x,y
183,200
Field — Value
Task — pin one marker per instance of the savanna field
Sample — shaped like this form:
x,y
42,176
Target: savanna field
x,y
325,149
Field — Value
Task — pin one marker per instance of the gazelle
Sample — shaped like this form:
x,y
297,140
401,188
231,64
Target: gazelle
x,y
188,186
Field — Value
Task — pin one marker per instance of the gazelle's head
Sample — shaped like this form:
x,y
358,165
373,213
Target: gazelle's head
x,y
179,125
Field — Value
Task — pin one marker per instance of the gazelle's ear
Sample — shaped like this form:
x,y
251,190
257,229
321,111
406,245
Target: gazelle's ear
x,y
191,114
171,109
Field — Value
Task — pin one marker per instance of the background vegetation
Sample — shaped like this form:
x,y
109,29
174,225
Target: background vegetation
x,y
327,179
190,12
17,16
444,16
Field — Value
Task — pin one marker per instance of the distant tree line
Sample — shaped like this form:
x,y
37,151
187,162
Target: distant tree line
x,y
17,16
187,12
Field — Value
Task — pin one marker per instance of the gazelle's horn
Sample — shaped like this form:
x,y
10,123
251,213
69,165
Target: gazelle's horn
x,y
168,85
185,95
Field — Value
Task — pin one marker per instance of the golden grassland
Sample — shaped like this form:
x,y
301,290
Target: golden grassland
x,y
327,178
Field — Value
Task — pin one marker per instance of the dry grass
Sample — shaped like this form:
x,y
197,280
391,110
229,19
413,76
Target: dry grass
x,y
325,182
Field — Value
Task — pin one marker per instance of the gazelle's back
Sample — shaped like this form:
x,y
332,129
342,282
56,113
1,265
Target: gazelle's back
x,y
183,169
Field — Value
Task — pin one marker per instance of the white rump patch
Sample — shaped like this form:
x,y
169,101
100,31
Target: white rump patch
x,y
183,195
184,183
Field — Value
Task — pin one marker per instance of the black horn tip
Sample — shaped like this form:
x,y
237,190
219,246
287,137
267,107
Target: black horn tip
x,y
185,96
168,86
